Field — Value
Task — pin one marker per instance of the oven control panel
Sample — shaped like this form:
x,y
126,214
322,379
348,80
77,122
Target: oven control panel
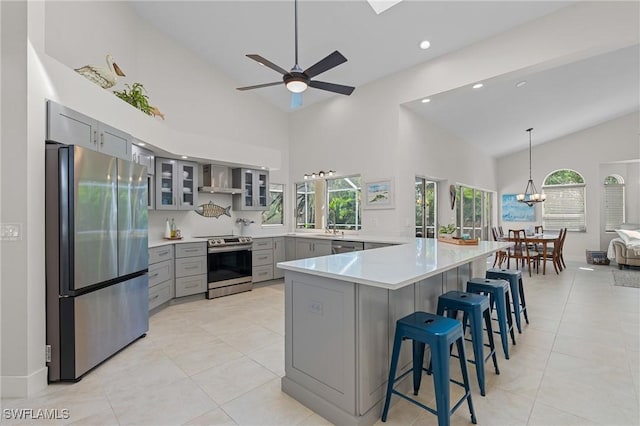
x,y
229,241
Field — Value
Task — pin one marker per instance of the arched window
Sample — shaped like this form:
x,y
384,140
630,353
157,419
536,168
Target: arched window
x,y
613,202
565,205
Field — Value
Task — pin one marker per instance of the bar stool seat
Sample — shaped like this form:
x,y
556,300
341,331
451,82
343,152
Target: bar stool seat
x,y
475,307
439,333
517,291
497,291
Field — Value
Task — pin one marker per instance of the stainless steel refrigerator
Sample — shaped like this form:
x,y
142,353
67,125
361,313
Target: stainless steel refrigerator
x,y
96,257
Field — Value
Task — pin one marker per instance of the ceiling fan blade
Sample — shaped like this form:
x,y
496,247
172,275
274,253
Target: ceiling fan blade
x,y
259,59
331,87
258,86
332,60
296,100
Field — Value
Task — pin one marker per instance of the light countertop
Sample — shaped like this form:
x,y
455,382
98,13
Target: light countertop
x,y
396,266
163,242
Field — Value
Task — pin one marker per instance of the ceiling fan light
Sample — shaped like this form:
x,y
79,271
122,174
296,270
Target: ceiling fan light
x,y
296,85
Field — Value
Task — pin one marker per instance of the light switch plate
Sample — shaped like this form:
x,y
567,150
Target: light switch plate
x,y
10,231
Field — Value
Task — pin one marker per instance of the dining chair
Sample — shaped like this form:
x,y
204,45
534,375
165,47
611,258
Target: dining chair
x,y
553,253
539,229
521,251
500,255
500,231
562,247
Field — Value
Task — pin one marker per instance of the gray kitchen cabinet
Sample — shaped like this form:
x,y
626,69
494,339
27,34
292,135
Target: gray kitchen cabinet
x,y
146,158
255,189
161,275
143,156
176,184
290,248
191,268
279,255
262,259
67,126
309,247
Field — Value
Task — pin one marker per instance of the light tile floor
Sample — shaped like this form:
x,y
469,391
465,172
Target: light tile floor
x,y
217,362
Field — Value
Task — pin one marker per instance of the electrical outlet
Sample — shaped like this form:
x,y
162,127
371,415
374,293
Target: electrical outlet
x,y
316,307
10,231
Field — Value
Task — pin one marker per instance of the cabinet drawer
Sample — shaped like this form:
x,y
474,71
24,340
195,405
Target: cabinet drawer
x,y
261,257
159,272
158,254
262,244
160,294
262,273
191,249
189,266
191,285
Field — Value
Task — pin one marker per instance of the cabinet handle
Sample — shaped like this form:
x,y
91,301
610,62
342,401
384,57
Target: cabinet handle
x,y
154,297
263,257
275,245
101,139
192,285
163,253
154,275
190,250
95,137
262,273
191,267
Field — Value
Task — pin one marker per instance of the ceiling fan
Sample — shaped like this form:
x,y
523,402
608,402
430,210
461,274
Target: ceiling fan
x,y
298,80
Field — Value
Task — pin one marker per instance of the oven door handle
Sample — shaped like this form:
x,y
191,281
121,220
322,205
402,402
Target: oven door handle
x,y
228,248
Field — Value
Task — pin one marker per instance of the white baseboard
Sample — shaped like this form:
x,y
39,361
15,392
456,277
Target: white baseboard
x,y
23,386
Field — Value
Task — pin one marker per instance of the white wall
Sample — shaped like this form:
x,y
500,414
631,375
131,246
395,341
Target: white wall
x,y
584,152
630,172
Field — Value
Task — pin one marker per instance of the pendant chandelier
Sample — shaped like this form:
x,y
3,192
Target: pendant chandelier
x,y
531,195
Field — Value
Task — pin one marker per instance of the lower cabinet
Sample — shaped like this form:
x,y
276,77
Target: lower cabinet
x,y
161,275
266,253
310,247
279,255
191,269
262,259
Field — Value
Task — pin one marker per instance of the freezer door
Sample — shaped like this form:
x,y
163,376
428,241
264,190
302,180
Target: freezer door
x,y
88,205
132,218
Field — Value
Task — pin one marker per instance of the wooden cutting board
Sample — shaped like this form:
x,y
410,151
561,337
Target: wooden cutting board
x,y
459,241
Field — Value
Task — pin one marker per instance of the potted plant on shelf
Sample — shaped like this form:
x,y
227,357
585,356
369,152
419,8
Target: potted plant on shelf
x,y
136,97
447,231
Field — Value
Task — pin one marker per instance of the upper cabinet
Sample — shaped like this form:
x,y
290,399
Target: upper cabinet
x,y
176,184
146,158
255,189
67,126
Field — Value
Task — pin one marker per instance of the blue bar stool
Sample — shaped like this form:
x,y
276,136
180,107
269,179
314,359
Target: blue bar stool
x,y
517,291
439,333
474,307
497,291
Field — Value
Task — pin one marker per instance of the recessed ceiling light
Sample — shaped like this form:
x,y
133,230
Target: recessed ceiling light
x,y
141,144
425,44
184,157
478,85
521,83
426,100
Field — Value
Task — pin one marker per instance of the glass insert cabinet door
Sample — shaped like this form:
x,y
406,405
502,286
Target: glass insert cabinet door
x,y
187,178
166,189
255,189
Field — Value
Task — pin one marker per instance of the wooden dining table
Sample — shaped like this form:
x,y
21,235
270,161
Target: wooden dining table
x,y
542,239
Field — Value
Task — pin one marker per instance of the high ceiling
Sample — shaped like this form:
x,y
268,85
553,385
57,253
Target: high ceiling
x,y
223,32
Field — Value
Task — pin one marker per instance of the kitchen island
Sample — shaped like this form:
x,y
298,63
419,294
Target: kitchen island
x,y
340,314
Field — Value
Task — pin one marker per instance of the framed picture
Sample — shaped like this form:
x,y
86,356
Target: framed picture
x,y
379,194
515,211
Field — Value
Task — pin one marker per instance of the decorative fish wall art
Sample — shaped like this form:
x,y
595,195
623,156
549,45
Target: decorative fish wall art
x,y
212,210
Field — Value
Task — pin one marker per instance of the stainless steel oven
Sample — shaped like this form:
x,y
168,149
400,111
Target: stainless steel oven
x,y
229,268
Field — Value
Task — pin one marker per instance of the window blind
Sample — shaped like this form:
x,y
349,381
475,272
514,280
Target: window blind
x,y
564,207
613,206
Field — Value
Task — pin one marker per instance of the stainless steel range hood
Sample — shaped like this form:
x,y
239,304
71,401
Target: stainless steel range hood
x,y
217,180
